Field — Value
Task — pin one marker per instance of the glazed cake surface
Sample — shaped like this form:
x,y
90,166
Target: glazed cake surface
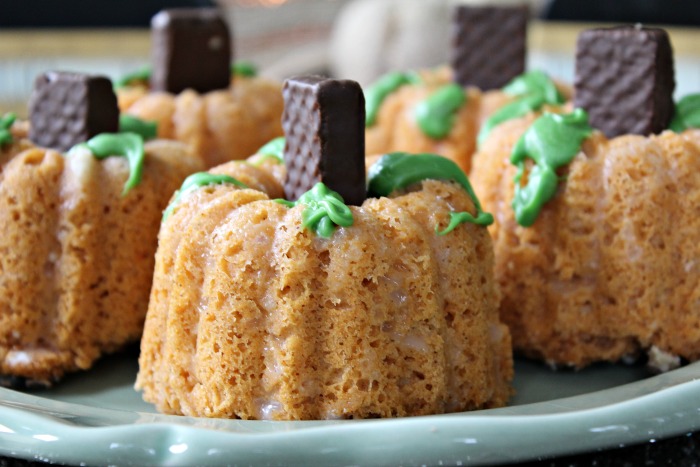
x,y
76,255
254,316
609,268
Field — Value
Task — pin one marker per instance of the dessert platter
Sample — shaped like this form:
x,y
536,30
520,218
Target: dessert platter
x,y
98,419
446,267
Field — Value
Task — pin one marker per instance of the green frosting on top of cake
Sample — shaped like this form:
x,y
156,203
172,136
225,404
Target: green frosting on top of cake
x,y
325,209
534,82
6,122
243,68
143,75
533,90
399,170
272,150
687,114
129,145
381,89
551,142
436,115
198,180
131,124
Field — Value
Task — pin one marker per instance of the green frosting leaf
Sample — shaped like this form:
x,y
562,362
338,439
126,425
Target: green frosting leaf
x,y
131,124
5,124
273,149
551,142
143,74
399,170
129,145
198,180
325,209
534,89
246,69
534,82
436,115
381,89
687,114
457,218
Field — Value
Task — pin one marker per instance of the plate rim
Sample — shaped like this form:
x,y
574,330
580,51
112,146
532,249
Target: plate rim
x,y
661,406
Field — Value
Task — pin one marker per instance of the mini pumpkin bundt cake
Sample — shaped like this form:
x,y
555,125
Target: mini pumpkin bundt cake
x,y
595,229
450,110
310,308
223,113
80,231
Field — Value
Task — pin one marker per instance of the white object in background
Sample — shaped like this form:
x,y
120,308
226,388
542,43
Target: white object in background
x,y
371,37
282,37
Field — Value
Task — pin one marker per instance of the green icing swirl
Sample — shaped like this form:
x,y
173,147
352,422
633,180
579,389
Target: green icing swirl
x,y
325,209
534,89
198,180
142,74
687,114
381,89
551,142
129,123
273,149
436,115
5,124
512,110
245,69
129,145
457,218
534,82
399,170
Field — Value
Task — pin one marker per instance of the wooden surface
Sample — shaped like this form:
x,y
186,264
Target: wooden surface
x,y
116,43
135,43
114,52
561,37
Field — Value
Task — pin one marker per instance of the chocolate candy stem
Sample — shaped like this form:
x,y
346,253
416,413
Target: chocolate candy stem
x,y
488,44
324,122
191,48
625,79
69,108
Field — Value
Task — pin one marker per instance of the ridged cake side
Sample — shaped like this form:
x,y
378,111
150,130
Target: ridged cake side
x,y
76,258
610,268
254,316
219,125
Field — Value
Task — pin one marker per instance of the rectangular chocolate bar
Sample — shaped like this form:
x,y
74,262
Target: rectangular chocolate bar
x,y
488,44
69,108
324,126
625,79
190,49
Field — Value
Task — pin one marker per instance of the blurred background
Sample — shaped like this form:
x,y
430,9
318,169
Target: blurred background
x,y
357,39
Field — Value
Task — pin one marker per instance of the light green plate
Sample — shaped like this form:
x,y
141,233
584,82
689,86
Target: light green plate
x,y
96,418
